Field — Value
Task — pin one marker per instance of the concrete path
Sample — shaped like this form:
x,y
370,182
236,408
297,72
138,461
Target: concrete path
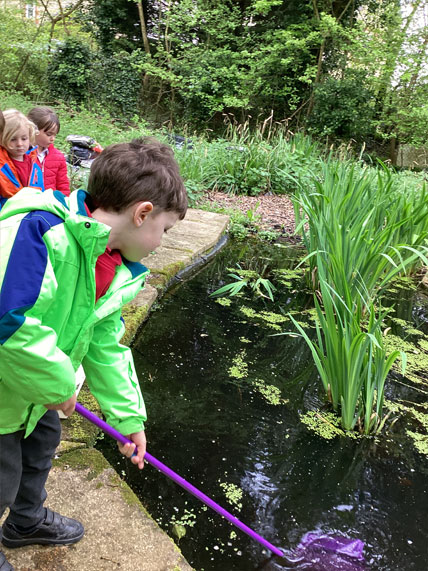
x,y
120,534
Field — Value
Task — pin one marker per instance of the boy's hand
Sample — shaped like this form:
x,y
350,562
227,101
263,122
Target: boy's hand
x,y
67,406
139,440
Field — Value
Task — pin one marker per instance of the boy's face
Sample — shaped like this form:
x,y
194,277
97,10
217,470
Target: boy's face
x,y
19,144
46,137
146,231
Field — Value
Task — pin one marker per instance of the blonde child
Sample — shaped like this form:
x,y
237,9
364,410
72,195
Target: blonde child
x,y
17,161
49,159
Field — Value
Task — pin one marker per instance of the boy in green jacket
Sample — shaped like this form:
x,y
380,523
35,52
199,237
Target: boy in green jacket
x,y
67,265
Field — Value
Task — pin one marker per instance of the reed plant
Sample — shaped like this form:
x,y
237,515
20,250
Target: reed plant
x,y
368,231
360,232
350,356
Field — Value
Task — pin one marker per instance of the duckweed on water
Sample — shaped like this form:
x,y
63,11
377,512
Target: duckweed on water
x,y
326,425
272,319
239,369
225,301
408,328
233,494
420,441
285,277
179,526
423,344
244,274
188,519
268,318
311,314
398,321
414,332
270,392
420,417
405,282
248,312
399,407
417,358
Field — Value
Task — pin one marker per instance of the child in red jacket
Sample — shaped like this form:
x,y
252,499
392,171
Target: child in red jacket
x,y
50,159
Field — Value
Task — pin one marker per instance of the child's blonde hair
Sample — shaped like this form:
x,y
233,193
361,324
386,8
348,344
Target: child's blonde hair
x,y
14,120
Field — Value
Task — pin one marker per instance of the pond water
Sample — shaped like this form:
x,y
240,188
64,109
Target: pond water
x,y
225,395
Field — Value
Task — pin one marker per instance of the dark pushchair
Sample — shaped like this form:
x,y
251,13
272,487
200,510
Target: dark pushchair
x,y
83,150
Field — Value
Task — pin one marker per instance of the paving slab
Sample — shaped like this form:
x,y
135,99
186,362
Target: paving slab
x,y
119,533
189,238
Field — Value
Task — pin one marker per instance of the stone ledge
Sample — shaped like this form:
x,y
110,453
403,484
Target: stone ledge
x,y
119,533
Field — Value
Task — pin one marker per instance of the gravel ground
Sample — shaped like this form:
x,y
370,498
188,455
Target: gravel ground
x,y
272,212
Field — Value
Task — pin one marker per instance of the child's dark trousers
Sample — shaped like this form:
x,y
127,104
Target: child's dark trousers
x,y
24,468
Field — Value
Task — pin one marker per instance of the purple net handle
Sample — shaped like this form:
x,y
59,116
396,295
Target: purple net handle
x,y
177,479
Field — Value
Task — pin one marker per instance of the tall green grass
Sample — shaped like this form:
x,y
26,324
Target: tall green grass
x,y
350,356
251,162
368,230
360,230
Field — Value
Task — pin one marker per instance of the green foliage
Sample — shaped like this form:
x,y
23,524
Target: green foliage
x,y
369,229
343,109
117,82
247,278
113,23
23,53
343,69
251,162
360,232
69,71
350,357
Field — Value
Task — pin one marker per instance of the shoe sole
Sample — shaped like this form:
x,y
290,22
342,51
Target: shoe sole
x,y
12,543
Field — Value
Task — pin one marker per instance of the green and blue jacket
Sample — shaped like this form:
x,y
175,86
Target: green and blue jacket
x,y
49,321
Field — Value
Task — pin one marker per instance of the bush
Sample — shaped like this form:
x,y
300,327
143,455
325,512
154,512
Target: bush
x,y
23,53
342,109
69,71
118,82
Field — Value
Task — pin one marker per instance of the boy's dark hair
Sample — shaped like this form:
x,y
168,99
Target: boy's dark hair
x,y
1,123
44,118
142,170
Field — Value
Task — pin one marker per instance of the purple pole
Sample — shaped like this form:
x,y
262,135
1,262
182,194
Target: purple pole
x,y
177,479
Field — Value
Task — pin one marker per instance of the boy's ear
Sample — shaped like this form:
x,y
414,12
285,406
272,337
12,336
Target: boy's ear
x,y
141,210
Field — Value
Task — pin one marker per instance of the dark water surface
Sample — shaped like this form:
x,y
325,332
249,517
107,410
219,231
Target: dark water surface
x,y
220,433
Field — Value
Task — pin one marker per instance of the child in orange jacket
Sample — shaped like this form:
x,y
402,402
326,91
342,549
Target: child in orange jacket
x,y
17,160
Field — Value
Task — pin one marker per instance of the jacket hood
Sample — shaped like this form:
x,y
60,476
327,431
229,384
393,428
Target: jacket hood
x,y
70,209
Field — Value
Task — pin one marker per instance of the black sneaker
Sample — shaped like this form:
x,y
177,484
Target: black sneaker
x,y
4,563
55,530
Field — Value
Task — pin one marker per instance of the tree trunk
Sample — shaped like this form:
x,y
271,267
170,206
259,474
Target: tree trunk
x,y
145,39
393,151
143,27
